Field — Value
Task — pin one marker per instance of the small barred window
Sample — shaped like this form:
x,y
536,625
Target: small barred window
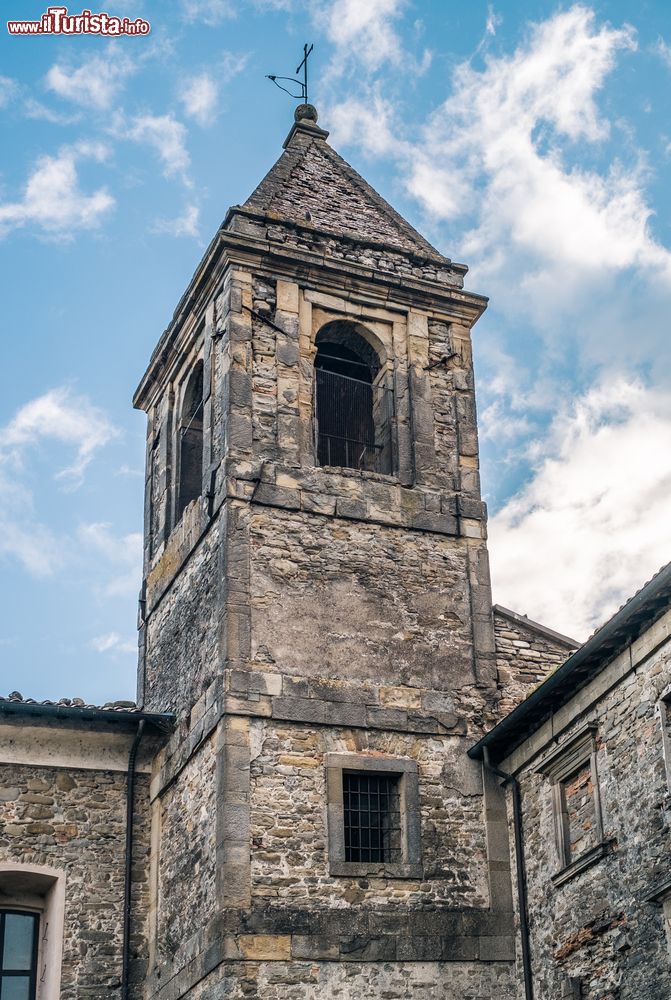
x,y
373,814
372,817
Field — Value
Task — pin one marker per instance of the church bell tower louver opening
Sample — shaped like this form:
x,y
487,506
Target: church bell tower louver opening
x,y
318,612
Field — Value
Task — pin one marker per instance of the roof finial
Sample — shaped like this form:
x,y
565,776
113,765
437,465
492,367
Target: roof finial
x,y
303,84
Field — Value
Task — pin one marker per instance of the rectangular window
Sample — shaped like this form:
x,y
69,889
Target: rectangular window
x,y
374,824
372,817
579,805
572,770
18,955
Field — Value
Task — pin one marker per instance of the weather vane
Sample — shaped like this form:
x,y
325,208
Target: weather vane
x,y
303,84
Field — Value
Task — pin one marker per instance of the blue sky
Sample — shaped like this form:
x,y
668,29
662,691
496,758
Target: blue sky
x,y
530,140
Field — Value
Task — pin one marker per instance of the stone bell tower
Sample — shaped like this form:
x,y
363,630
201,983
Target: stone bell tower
x,y
317,611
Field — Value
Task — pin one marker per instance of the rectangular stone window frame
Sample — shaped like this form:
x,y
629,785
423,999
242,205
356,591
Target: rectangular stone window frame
x,y
407,772
558,767
664,705
39,890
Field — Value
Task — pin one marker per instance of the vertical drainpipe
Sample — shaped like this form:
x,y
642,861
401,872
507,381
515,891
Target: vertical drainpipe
x,y
130,804
521,871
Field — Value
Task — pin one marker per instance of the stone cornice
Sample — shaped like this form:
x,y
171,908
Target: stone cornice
x,y
307,267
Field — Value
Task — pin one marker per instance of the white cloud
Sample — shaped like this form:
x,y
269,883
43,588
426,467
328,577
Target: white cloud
x,y
210,12
501,142
167,137
34,546
129,470
40,112
53,199
184,225
96,83
199,95
61,416
370,119
365,31
494,20
8,90
122,553
594,522
112,642
56,416
663,50
497,423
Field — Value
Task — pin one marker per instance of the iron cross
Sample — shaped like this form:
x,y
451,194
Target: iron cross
x,y
303,84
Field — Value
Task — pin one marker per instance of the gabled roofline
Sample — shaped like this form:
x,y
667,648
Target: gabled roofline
x,y
578,670
529,623
305,135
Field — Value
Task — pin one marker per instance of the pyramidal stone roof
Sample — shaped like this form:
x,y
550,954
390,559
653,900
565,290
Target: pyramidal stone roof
x,y
314,207
312,185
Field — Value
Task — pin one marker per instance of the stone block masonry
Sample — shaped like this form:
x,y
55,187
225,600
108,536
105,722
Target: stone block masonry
x,y
597,926
526,653
74,821
316,980
298,613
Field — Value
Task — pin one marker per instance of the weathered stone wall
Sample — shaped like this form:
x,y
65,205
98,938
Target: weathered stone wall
x,y
263,980
374,257
75,821
525,655
289,831
345,610
327,594
187,867
264,368
184,608
597,932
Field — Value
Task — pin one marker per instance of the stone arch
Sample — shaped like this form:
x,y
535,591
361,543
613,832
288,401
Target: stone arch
x,y
352,406
190,441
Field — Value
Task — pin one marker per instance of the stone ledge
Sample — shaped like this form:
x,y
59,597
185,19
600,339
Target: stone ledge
x,y
335,935
351,869
350,494
584,862
323,701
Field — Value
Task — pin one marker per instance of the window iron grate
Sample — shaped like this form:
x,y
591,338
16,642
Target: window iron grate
x,y
353,423
372,817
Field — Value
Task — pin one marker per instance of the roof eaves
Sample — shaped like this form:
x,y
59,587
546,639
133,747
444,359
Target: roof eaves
x,y
50,711
646,605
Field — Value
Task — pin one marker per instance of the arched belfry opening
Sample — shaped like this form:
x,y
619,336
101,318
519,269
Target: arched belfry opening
x,y
190,442
353,405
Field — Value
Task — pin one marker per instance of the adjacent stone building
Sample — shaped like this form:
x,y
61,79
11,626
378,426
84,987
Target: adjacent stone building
x,y
64,865
589,750
318,648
